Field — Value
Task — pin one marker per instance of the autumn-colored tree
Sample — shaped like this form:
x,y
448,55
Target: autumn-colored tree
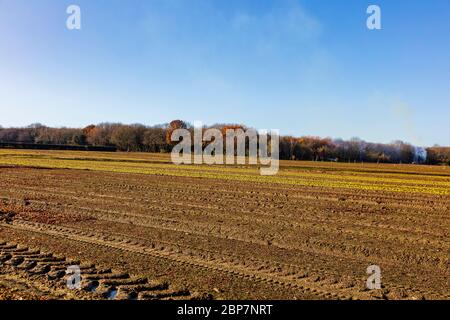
x,y
174,125
88,131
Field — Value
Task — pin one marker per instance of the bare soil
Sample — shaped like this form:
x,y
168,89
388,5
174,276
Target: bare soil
x,y
140,236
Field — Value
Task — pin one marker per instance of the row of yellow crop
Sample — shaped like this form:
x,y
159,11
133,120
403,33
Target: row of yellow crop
x,y
237,174
416,179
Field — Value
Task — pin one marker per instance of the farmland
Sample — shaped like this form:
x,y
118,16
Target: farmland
x,y
142,227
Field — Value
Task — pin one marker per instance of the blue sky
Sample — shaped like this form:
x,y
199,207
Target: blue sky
x,y
304,67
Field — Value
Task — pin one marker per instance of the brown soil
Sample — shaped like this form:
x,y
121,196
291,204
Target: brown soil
x,y
160,237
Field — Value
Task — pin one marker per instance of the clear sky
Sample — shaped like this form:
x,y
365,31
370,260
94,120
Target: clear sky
x,y
304,67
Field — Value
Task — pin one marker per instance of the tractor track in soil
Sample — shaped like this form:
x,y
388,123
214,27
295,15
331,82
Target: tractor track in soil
x,y
303,284
307,224
22,264
313,241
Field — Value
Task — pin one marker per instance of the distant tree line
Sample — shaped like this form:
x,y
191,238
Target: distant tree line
x,y
354,150
138,137
438,155
134,137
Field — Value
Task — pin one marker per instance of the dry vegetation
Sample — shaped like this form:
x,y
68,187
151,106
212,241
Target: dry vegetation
x,y
143,228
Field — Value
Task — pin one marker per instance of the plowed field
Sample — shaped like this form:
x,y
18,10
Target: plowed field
x,y
140,227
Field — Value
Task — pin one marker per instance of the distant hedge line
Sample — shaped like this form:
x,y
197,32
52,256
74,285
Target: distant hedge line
x,y
37,146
